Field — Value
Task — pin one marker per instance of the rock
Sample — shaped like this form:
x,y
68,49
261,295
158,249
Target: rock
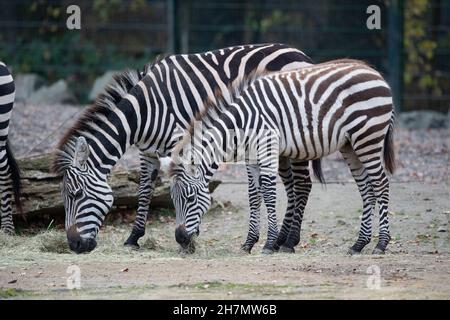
x,y
26,85
424,120
442,229
57,93
101,83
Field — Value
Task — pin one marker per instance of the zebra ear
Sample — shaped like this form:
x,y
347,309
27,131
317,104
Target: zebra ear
x,y
81,153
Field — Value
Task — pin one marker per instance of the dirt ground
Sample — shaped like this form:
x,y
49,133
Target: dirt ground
x,y
417,265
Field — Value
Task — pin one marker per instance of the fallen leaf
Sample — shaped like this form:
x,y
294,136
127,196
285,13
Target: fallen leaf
x,y
12,281
124,270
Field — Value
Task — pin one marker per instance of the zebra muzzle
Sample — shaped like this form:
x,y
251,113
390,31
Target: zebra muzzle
x,y
182,236
78,244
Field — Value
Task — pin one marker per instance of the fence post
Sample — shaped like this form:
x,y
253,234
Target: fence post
x,y
395,51
173,44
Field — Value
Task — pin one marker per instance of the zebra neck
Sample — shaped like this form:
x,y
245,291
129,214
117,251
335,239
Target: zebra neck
x,y
111,135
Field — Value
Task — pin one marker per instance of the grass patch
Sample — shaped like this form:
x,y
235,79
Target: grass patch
x,y
150,244
6,293
52,241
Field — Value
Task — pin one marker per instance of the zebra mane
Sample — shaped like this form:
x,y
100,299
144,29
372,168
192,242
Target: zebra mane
x,y
121,84
212,109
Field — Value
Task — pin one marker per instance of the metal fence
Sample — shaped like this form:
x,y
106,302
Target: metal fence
x,y
118,33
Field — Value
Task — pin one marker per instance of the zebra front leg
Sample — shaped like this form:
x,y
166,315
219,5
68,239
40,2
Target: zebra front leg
x,y
269,193
148,174
365,188
302,189
6,193
285,173
254,197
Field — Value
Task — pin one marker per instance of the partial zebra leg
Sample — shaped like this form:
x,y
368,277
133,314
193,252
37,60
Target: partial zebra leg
x,y
6,193
285,173
372,161
368,197
254,197
302,189
149,168
269,194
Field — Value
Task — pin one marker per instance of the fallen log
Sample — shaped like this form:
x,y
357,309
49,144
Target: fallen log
x,y
41,188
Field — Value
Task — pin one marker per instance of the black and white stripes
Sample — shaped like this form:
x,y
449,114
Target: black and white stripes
x,y
341,105
145,108
9,171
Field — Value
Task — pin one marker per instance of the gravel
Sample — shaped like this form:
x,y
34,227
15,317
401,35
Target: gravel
x,y
423,155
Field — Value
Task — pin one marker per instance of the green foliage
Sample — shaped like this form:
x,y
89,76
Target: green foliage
x,y
419,47
51,50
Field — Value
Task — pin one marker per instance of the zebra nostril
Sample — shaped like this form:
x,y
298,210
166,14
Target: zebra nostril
x,y
181,235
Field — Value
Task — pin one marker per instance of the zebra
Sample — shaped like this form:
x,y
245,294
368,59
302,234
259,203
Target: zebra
x,y
342,105
10,185
145,109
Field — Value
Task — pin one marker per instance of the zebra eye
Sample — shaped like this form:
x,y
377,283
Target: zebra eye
x,y
78,194
191,198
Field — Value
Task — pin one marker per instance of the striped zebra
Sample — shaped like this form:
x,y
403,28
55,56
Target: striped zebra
x,y
144,109
309,113
9,171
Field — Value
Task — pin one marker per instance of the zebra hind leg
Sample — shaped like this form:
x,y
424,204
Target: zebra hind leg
x,y
364,184
382,191
302,189
6,194
285,173
254,197
269,193
380,185
148,175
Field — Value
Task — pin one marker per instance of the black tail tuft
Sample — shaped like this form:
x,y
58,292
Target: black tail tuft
x,y
15,177
317,169
388,150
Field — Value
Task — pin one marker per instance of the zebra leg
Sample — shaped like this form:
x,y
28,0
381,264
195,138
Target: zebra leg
x,y
6,194
380,185
302,189
149,168
254,197
368,197
269,193
381,188
285,173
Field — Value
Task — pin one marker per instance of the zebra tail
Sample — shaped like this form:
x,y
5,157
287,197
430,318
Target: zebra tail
x,y
317,169
389,152
15,177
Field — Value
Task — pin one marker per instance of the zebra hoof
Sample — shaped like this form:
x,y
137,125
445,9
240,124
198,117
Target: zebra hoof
x,y
378,251
131,243
133,246
267,250
351,251
8,232
246,248
286,249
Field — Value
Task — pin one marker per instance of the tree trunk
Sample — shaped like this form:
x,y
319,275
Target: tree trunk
x,y
41,192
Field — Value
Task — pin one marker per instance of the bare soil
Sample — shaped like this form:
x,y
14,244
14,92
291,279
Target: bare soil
x,y
416,266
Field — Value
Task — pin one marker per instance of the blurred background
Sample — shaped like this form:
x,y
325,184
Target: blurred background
x,y
55,66
412,47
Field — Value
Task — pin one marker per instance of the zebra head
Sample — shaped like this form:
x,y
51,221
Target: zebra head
x,y
87,199
190,194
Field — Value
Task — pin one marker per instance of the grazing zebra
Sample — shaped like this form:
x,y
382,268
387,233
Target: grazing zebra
x,y
9,171
144,109
304,114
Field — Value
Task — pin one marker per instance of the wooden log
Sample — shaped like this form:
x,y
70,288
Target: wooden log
x,y
41,188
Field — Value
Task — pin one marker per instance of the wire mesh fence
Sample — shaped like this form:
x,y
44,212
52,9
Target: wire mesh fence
x,y
411,47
